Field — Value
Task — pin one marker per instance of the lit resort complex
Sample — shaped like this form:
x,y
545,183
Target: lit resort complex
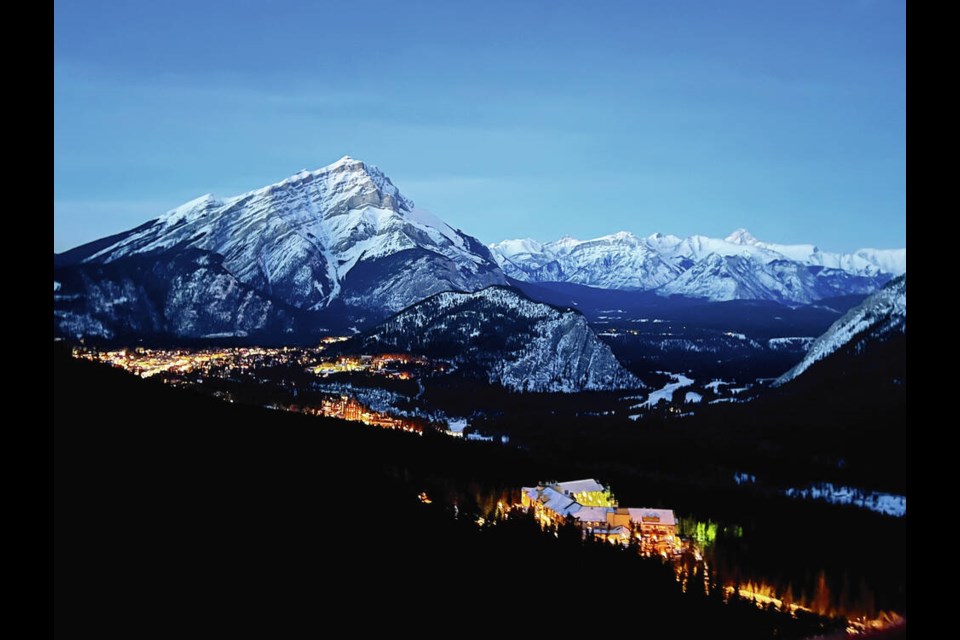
x,y
593,508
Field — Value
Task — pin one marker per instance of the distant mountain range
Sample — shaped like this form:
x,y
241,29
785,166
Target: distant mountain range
x,y
738,267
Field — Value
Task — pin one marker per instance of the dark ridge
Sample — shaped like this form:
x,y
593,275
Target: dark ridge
x,y
84,251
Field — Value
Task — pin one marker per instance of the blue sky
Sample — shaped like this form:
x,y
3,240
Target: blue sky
x,y
506,119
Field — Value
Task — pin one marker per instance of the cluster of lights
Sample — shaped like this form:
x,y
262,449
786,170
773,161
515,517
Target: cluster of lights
x,y
150,362
347,408
175,364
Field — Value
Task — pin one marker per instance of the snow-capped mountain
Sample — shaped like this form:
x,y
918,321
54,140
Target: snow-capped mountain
x,y
343,235
618,261
736,267
879,318
501,336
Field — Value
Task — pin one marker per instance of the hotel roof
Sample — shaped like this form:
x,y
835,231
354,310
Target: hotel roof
x,y
578,486
652,516
559,503
593,514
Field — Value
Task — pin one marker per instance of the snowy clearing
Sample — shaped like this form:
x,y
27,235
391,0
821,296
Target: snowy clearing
x,y
666,393
888,503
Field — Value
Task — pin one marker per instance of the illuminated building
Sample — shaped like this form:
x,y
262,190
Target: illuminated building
x,y
592,507
348,408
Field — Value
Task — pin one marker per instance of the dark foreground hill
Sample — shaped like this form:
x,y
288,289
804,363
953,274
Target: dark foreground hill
x,y
176,513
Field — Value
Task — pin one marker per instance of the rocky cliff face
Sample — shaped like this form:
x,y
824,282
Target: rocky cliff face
x,y
501,336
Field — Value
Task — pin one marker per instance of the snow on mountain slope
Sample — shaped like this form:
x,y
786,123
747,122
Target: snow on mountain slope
x,y
865,262
618,261
305,234
500,335
343,233
880,315
736,267
186,294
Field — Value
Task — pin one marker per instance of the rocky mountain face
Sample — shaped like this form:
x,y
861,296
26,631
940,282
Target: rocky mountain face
x,y
738,267
879,320
501,336
341,239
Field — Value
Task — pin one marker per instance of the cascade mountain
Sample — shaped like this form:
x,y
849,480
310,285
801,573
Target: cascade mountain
x,y
341,239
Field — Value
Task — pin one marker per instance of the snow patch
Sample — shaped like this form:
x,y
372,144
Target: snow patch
x,y
790,342
886,503
457,425
714,385
666,393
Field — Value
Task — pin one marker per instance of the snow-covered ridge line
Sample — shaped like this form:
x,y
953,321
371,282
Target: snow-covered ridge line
x,y
736,267
739,243
878,315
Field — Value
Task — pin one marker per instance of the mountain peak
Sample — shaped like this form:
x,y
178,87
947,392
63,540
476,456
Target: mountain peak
x,y
345,161
355,181
620,236
741,236
272,256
